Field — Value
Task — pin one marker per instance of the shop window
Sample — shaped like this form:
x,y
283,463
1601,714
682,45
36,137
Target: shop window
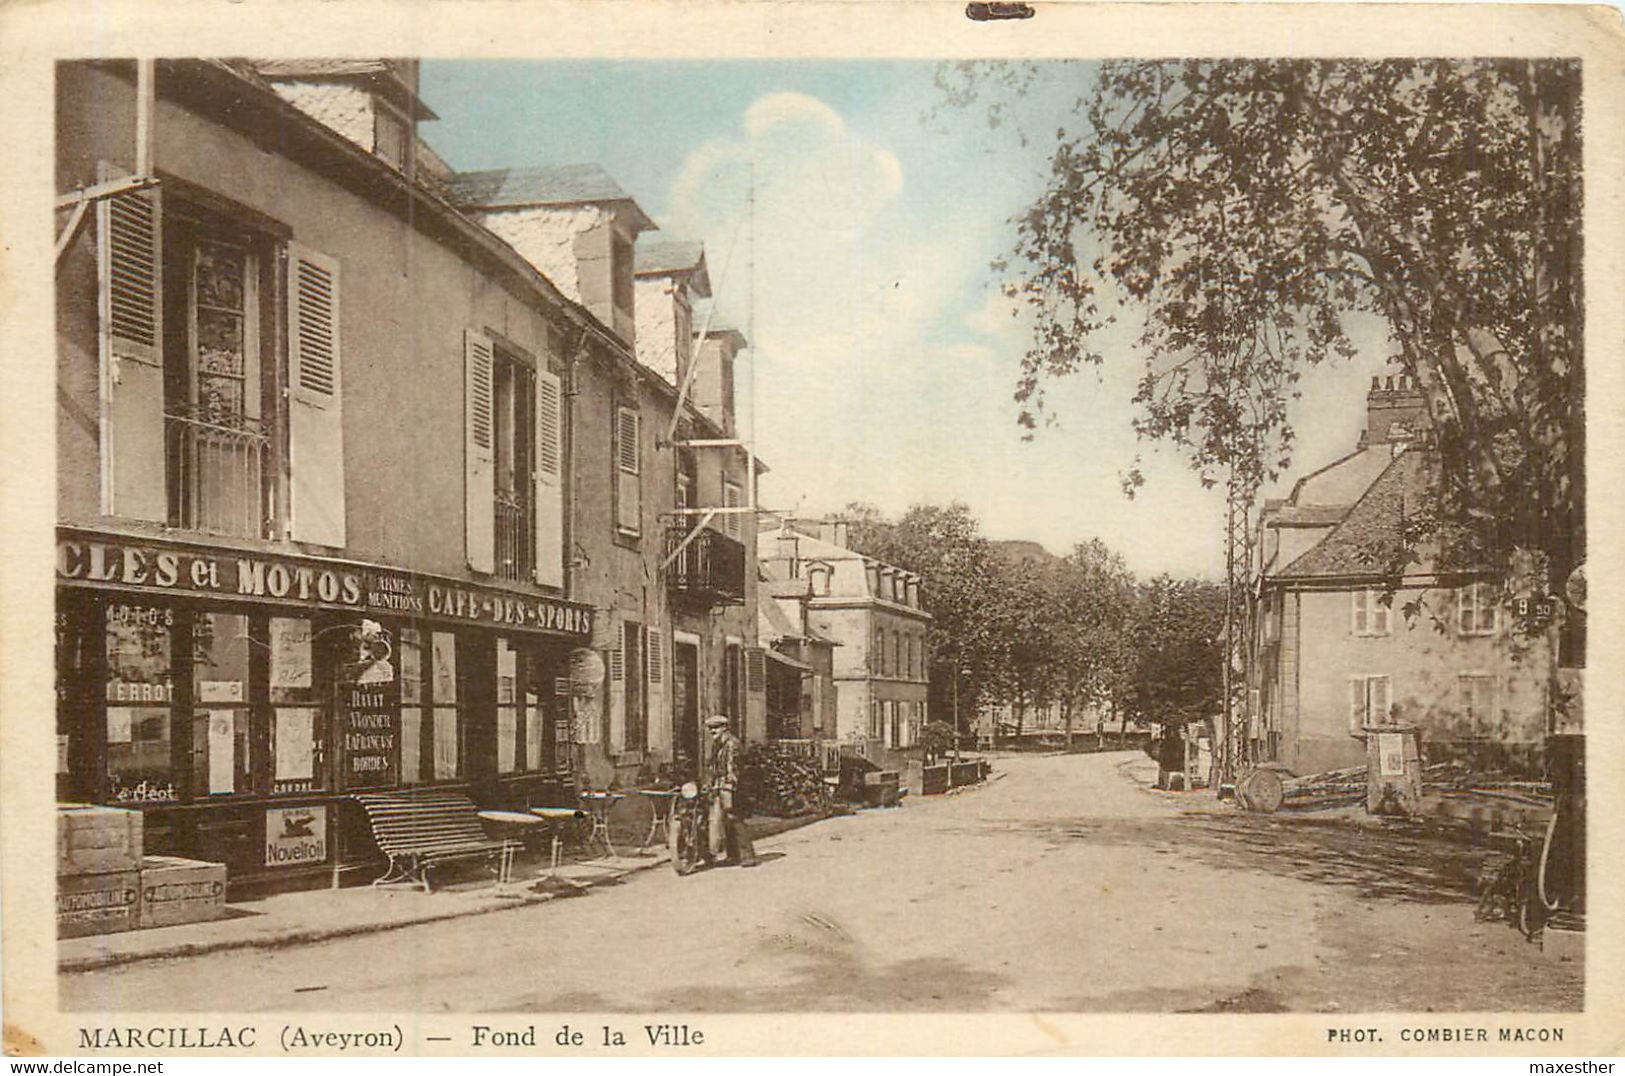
x,y
140,689
412,698
74,671
297,749
221,714
447,758
521,724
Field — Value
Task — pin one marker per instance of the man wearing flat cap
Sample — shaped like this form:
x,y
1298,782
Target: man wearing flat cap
x,y
722,767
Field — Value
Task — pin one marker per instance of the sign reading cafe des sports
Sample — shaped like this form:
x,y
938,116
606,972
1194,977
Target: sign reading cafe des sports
x,y
158,566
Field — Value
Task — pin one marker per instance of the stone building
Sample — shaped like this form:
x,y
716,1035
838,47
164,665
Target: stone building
x,y
1348,636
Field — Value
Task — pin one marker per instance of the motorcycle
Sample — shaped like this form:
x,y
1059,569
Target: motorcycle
x,y
691,833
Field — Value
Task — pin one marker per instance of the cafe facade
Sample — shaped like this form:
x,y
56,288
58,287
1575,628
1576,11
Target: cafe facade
x,y
330,459
239,698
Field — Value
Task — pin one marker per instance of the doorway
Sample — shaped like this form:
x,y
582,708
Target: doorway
x,y
685,702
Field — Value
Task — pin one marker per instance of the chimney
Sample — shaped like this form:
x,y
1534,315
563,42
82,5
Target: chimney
x,y
1395,411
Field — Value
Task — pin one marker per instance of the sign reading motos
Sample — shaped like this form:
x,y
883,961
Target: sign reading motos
x,y
115,561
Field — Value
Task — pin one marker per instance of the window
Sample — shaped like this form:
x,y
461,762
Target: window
x,y
296,727
1369,703
215,444
897,667
876,721
520,718
140,688
390,134
432,707
818,576
221,717
1478,704
637,713
1371,612
1476,606
621,270
628,464
513,433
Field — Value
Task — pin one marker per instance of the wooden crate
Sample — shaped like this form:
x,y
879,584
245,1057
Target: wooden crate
x,y
98,903
97,840
175,891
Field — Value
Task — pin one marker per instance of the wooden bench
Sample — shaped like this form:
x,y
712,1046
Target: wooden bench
x,y
420,830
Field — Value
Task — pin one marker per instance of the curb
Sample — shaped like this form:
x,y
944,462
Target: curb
x,y
73,965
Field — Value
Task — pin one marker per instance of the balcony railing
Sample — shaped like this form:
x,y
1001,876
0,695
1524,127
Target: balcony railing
x,y
515,541
709,571
216,467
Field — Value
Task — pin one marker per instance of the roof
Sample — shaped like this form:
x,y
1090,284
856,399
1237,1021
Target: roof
x,y
774,622
570,184
1369,535
720,331
1307,515
374,70
671,257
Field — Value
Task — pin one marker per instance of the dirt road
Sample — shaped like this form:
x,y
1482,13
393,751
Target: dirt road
x,y
1064,885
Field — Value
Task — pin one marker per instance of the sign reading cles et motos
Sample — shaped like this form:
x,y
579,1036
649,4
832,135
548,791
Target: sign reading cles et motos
x,y
152,567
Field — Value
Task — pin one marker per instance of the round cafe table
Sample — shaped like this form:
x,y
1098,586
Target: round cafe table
x,y
510,825
598,804
661,800
557,820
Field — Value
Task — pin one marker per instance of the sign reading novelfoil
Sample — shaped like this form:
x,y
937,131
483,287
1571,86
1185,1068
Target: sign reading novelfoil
x,y
295,836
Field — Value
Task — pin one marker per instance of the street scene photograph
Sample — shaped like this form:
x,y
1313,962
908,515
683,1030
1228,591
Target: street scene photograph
x,y
818,536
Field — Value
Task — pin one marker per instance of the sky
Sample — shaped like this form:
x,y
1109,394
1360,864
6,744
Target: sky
x,y
850,228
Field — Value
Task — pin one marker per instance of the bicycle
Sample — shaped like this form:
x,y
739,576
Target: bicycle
x,y
1510,891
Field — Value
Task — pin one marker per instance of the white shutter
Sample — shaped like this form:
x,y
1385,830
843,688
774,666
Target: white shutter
x,y
549,480
479,452
129,229
316,413
654,655
1360,612
617,700
1379,613
628,488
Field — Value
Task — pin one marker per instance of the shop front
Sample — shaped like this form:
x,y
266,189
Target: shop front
x,y
238,699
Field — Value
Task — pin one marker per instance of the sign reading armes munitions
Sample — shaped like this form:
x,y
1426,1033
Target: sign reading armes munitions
x,y
161,566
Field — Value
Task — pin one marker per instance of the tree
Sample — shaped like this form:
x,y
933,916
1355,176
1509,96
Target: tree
x,y
1090,605
1179,650
961,591
1242,210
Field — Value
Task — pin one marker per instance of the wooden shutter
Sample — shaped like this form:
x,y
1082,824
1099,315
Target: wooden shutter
x,y
1377,696
316,413
652,648
1357,706
129,230
1379,613
549,480
755,670
479,452
659,699
617,700
628,488
731,499
1361,612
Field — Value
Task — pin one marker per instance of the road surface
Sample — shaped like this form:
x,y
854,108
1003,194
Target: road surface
x,y
1065,885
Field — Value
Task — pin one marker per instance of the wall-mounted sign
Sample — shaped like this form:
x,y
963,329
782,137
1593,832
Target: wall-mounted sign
x,y
295,836
84,558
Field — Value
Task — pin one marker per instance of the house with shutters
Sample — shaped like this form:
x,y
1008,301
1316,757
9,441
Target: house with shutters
x,y
871,611
660,476
361,485
1346,637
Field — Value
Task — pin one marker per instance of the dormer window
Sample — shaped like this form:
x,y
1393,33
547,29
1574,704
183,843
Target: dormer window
x,y
390,133
621,272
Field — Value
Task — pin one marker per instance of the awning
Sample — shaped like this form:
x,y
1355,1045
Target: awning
x,y
785,659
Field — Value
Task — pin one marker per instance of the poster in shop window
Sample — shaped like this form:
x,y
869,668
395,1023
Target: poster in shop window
x,y
369,735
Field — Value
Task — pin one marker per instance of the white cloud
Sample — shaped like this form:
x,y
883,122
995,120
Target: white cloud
x,y
997,316
791,109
